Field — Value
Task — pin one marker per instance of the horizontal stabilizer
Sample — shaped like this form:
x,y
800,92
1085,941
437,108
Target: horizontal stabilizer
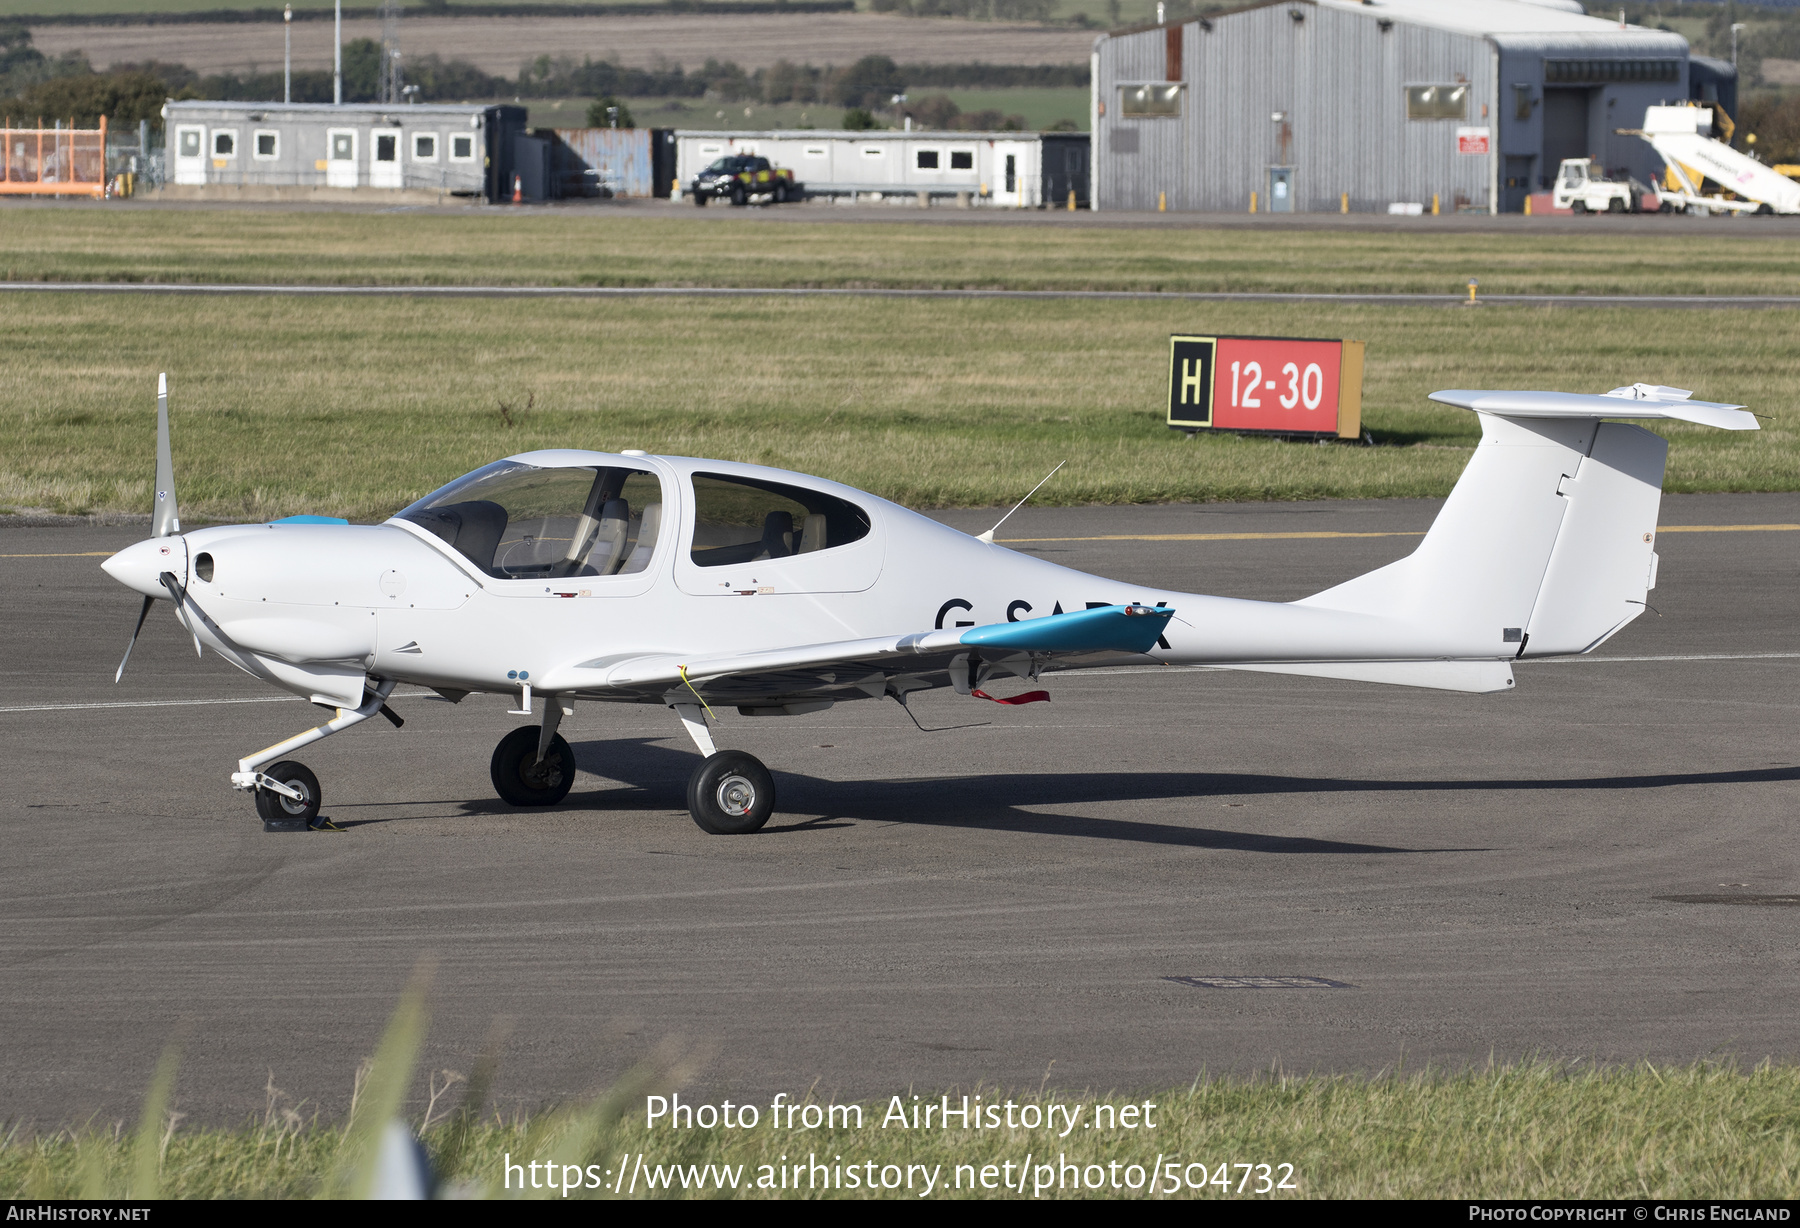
x,y
1476,677
1636,401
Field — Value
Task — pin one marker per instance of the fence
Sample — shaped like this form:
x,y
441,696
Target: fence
x,y
53,161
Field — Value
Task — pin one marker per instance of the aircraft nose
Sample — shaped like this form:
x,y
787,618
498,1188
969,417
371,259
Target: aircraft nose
x,y
139,567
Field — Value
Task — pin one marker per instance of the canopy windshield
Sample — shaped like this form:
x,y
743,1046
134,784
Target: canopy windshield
x,y
519,521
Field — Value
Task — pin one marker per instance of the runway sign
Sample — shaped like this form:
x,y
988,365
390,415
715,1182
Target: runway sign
x,y
1266,385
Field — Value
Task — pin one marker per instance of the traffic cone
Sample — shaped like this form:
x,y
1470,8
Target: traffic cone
x,y
518,191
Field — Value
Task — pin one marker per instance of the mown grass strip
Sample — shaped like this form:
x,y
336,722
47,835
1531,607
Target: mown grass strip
x,y
355,409
1531,1130
658,245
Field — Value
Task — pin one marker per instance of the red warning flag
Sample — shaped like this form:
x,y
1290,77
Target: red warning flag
x,y
1029,697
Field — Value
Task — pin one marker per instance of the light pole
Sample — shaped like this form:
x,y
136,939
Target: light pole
x,y
337,54
287,54
1735,27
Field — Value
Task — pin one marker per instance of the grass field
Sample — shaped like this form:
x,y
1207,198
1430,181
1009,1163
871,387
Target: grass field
x,y
1038,107
284,405
1529,1131
602,246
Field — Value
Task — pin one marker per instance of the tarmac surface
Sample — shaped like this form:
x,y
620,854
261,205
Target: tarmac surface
x,y
1486,875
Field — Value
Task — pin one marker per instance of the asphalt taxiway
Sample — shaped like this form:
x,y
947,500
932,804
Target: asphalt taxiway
x,y
1486,875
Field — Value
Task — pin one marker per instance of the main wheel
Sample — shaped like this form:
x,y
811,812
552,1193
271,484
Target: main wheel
x,y
522,779
781,193
699,200
1578,206
282,813
739,196
1615,205
731,794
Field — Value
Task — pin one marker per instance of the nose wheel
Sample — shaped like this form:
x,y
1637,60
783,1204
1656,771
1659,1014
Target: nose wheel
x,y
521,778
731,793
283,813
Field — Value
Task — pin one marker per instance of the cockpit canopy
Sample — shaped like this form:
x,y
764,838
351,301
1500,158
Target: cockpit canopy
x,y
518,521
521,522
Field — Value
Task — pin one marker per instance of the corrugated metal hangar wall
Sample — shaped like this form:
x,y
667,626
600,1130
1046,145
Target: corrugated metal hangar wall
x,y
1363,100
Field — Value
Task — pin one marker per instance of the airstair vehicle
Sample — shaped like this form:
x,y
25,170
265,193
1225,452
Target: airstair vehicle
x,y
1683,138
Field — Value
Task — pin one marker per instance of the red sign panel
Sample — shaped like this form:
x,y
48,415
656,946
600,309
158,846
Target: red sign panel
x,y
1276,385
1471,140
1272,385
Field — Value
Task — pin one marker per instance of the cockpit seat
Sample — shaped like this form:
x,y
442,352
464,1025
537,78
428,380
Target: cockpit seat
x,y
608,549
778,535
472,529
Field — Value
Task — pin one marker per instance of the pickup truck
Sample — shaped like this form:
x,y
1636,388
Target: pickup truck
x,y
739,177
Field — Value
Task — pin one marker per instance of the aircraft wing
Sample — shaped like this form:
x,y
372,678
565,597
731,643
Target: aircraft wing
x,y
878,665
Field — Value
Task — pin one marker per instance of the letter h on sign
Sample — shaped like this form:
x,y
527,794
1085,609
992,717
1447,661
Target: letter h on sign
x,y
1191,381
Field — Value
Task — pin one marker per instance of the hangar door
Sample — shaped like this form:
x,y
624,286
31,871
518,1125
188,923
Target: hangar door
x,y
1565,128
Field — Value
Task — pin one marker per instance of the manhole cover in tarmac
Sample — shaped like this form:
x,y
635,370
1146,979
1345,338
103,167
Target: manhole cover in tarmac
x,y
1259,982
1778,901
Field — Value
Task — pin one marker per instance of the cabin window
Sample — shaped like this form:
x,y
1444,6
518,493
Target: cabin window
x,y
188,141
746,520
520,522
225,144
926,159
462,149
962,159
268,145
425,147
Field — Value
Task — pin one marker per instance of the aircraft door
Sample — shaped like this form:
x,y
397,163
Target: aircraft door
x,y
746,536
384,159
190,155
340,158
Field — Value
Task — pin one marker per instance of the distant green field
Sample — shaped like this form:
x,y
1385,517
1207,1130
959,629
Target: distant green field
x,y
1039,107
132,8
356,407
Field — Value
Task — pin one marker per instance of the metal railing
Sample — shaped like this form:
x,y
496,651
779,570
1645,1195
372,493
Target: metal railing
x,y
54,161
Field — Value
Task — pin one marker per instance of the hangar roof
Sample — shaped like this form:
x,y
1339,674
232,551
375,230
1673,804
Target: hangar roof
x,y
1486,18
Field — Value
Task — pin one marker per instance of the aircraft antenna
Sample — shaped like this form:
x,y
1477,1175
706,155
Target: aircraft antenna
x,y
988,537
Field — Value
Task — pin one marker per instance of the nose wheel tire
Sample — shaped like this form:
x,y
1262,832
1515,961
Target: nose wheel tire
x,y
731,794
282,813
522,779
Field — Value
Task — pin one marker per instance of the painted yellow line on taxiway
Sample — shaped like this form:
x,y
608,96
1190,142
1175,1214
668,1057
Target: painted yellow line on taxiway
x,y
1252,537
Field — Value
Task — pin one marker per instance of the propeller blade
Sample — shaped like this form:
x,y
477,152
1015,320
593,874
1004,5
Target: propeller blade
x,y
142,615
179,594
165,519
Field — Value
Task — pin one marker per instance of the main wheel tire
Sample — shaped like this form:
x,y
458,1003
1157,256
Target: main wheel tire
x,y
1665,207
282,813
1615,205
739,196
1578,206
522,779
731,794
700,200
781,193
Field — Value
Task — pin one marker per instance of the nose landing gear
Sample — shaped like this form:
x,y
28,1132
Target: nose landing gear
x,y
282,812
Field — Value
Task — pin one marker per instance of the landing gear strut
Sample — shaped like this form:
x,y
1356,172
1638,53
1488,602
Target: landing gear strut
x,y
287,794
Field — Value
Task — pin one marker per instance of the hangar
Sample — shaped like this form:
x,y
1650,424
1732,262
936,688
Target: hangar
x,y
1355,105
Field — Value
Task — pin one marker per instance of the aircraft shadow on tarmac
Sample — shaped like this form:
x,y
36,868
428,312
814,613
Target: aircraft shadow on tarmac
x,y
655,778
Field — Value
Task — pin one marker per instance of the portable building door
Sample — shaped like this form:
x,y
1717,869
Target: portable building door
x,y
340,154
190,154
1014,174
384,158
1281,189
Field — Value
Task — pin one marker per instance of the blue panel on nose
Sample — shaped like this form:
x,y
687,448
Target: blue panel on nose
x,y
310,520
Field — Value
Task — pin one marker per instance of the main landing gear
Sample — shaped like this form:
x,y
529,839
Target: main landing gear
x,y
730,793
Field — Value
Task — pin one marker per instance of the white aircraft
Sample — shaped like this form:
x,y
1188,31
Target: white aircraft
x,y
561,576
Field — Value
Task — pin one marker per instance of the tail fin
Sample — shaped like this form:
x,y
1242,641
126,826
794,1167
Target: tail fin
x,y
1546,544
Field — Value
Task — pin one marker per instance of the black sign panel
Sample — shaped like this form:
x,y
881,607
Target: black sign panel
x,y
1191,380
